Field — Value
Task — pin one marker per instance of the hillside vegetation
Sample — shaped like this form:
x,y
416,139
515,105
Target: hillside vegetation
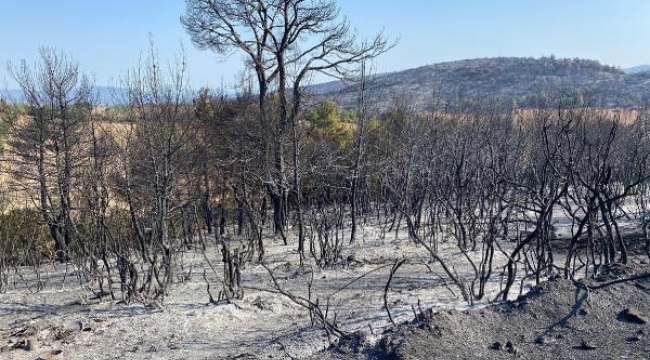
x,y
528,82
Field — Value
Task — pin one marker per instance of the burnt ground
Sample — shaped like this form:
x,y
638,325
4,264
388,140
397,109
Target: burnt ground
x,y
559,319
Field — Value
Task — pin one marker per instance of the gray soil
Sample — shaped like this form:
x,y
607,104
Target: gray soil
x,y
560,319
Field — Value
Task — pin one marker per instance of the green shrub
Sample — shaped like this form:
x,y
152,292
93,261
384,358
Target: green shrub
x,y
24,238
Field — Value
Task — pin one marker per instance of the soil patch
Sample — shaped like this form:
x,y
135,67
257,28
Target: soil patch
x,y
560,319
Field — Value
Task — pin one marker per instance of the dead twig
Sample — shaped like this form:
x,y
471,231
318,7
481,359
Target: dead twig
x,y
314,308
357,279
393,270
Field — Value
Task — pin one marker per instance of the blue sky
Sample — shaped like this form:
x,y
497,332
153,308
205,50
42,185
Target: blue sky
x,y
107,37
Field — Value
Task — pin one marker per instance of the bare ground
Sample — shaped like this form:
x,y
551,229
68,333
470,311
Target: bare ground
x,y
560,319
63,315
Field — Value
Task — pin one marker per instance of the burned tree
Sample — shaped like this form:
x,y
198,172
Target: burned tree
x,y
285,41
46,143
157,160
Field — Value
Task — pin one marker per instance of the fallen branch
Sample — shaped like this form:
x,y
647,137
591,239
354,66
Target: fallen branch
x,y
357,279
393,270
618,281
330,327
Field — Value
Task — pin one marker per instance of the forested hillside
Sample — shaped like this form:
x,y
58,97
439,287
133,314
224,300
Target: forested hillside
x,y
529,82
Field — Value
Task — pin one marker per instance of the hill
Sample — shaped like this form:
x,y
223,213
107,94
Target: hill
x,y
637,69
525,80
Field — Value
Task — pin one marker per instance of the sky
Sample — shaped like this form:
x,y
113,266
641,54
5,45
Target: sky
x,y
107,37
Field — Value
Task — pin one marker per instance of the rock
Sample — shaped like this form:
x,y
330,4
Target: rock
x,y
352,259
259,303
77,325
72,325
49,355
497,346
587,346
31,344
511,348
14,342
634,316
85,325
541,340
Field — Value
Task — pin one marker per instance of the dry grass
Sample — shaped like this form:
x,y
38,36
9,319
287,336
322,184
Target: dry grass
x,y
17,190
19,187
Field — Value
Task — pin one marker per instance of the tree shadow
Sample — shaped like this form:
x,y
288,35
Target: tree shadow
x,y
581,296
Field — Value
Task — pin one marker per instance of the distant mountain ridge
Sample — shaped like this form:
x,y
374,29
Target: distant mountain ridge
x,y
102,95
637,69
526,81
11,95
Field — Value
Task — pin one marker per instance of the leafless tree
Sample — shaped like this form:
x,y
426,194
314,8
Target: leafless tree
x,y
158,158
284,41
47,143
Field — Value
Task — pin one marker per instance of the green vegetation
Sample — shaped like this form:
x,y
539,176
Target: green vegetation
x,y
24,238
328,122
